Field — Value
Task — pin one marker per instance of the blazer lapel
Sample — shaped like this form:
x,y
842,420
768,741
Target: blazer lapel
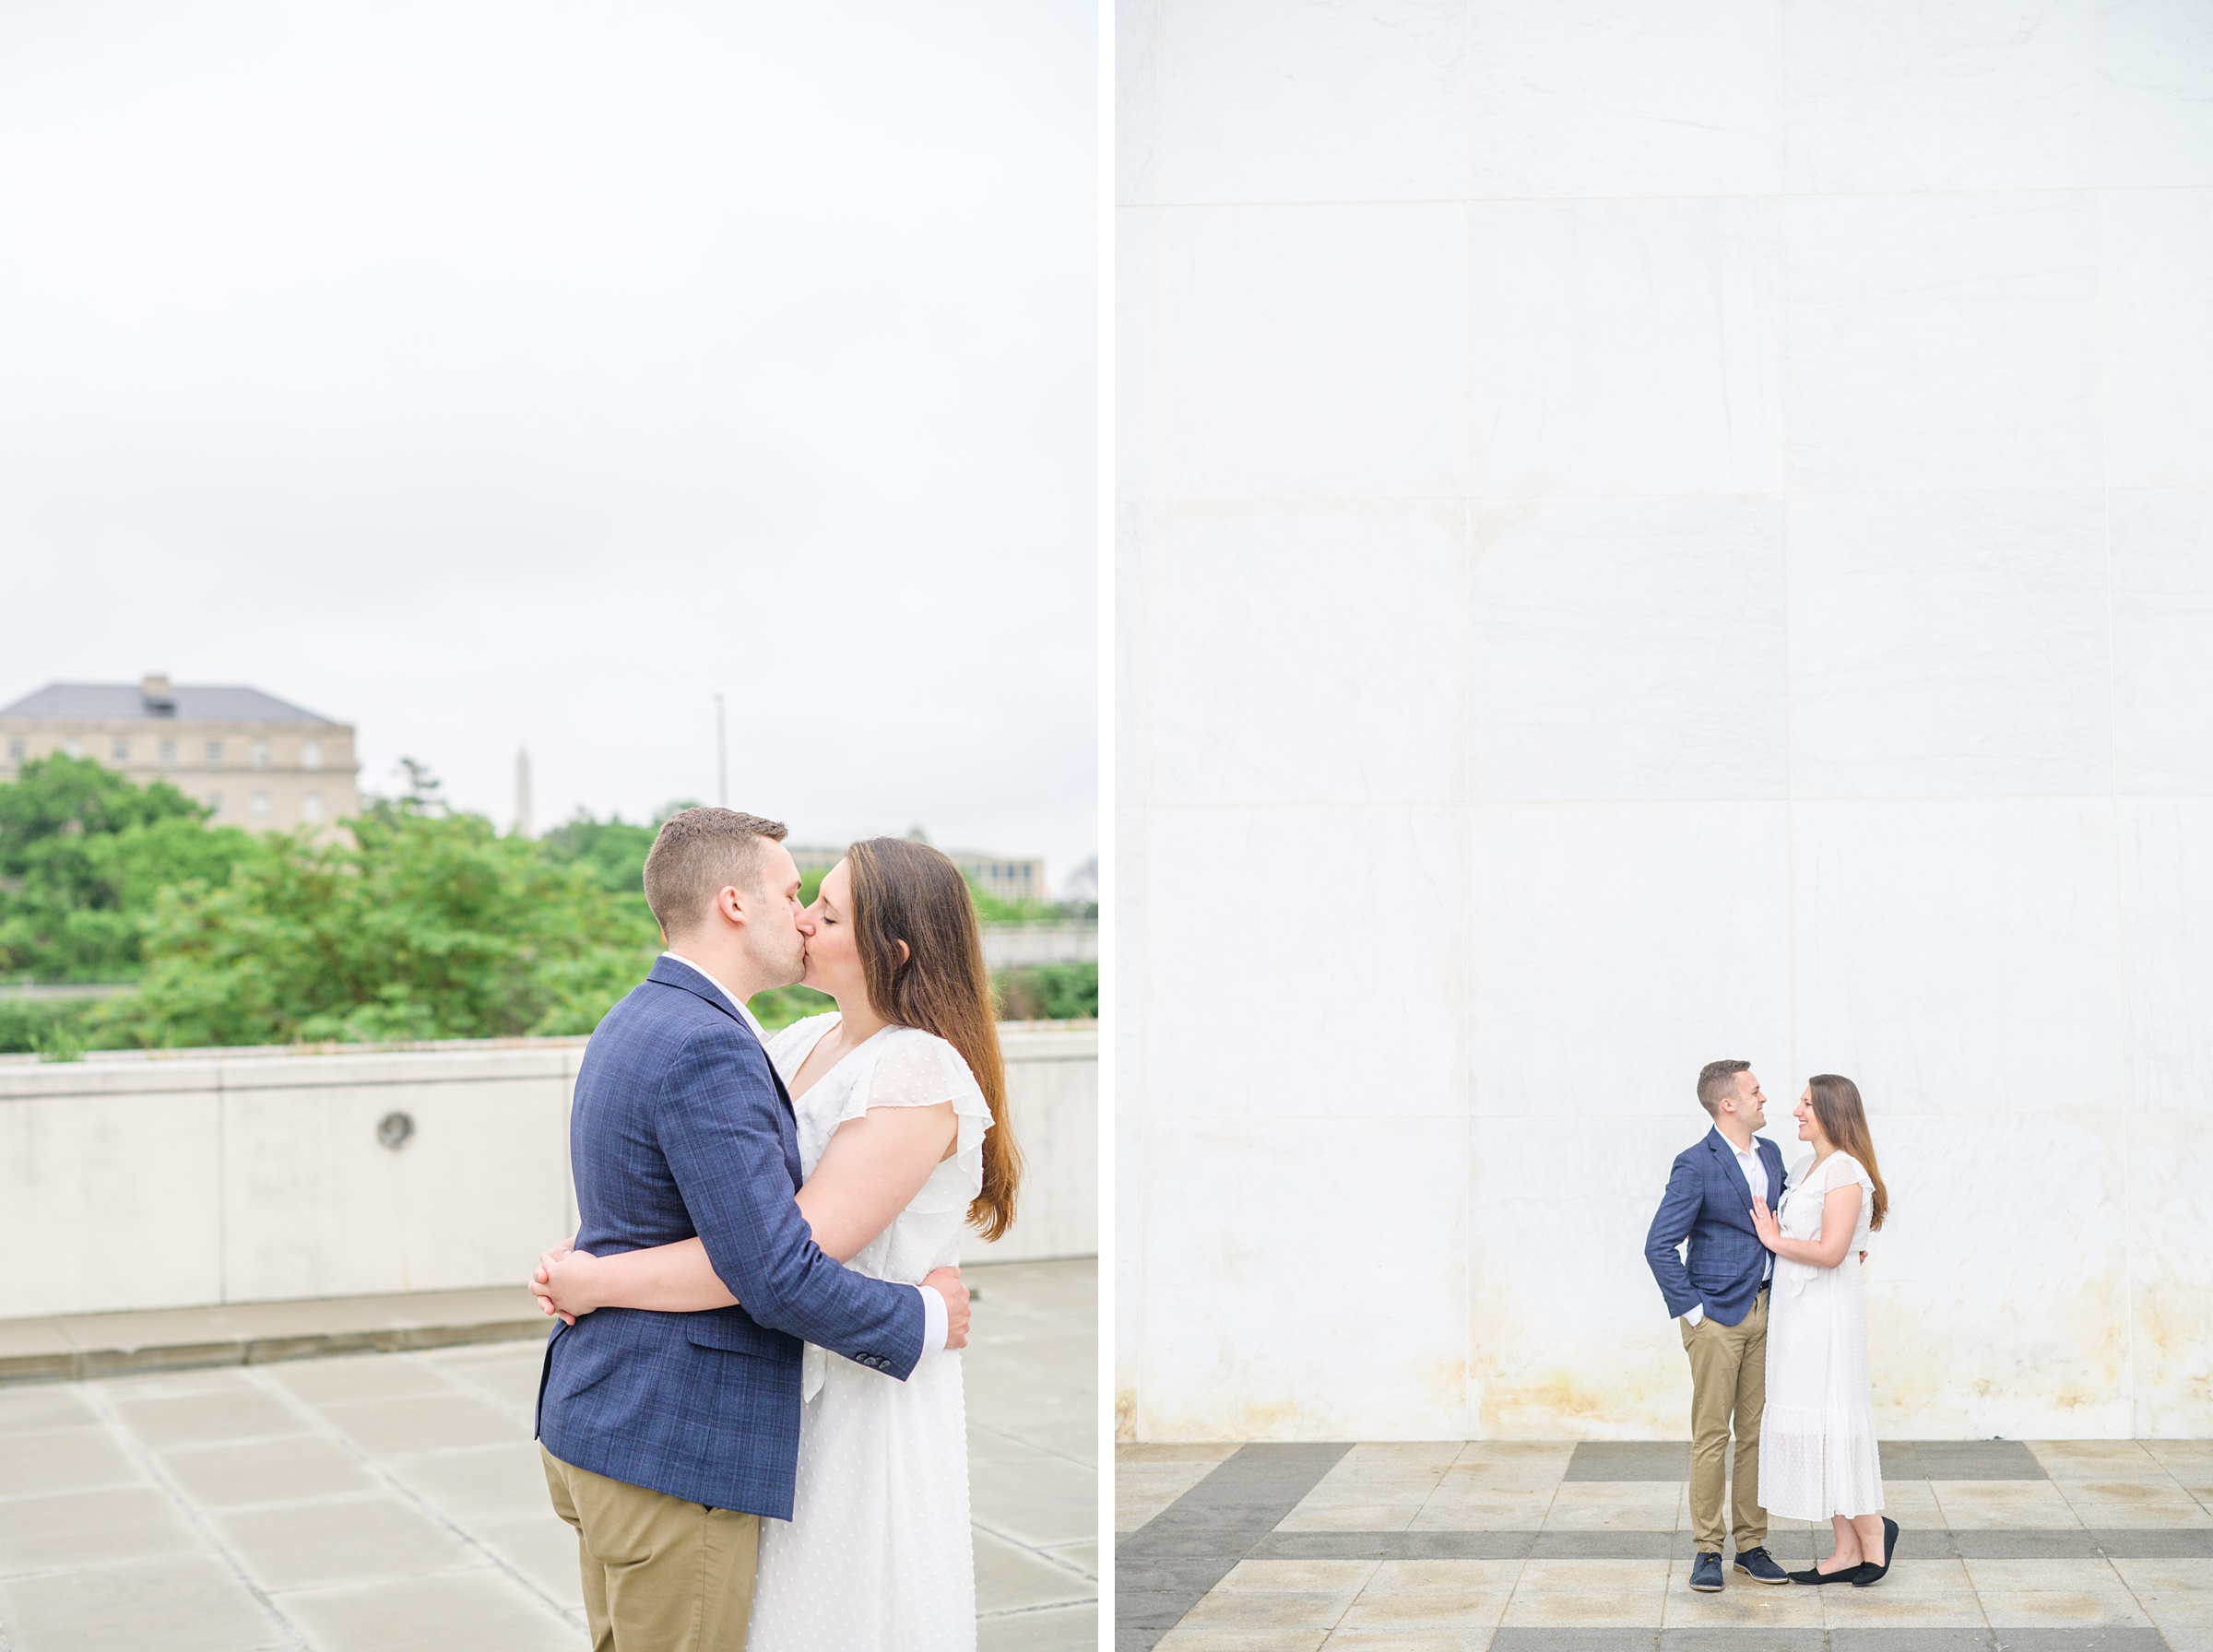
x,y
1722,1151
667,973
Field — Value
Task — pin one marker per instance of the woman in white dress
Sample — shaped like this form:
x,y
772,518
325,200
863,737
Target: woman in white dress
x,y
1818,1456
900,1105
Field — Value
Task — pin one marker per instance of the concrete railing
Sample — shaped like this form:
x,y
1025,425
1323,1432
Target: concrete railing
x,y
190,1177
1020,946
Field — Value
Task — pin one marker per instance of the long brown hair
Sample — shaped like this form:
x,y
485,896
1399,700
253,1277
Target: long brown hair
x,y
908,891
1844,1122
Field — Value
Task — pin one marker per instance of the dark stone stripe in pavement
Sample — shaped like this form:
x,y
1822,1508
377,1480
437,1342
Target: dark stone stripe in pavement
x,y
1630,1460
1166,1565
1902,1459
2088,1637
1732,1638
1790,1547
1395,1545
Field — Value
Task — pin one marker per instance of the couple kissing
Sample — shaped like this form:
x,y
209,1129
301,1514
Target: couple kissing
x,y
748,1411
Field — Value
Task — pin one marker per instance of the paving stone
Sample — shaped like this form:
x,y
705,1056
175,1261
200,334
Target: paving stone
x,y
1031,1496
176,1606
200,1419
93,1528
352,1542
1051,1629
2097,1637
488,1482
482,1609
67,1459
1524,1639
247,1472
42,1408
1008,1577
1978,1459
1630,1459
1910,1638
543,1548
422,1422
357,1376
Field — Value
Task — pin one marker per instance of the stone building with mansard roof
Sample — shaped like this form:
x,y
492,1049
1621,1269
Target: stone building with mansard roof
x,y
256,760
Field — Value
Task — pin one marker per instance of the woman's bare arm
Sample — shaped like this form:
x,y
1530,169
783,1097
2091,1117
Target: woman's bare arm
x,y
1840,1219
871,1170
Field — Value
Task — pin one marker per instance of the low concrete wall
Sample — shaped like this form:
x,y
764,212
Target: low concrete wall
x,y
1019,945
182,1178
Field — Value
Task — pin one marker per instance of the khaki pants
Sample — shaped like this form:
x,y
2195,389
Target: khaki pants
x,y
1728,1378
660,1575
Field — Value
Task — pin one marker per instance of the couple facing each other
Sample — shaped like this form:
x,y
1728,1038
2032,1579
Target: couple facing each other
x,y
1774,1316
756,1446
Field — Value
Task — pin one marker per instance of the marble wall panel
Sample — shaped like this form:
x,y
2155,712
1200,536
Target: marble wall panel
x,y
1307,1278
2157,303
2170,1166
2166,876
1958,958
1568,1337
1305,962
1627,648
1972,94
1299,100
1136,98
109,1202
1627,346
2155,92
1949,645
1277,659
1294,351
1942,341
1618,948
1998,1293
2162,614
1595,97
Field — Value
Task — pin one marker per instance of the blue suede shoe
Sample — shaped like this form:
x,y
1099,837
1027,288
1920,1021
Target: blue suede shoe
x,y
1705,1573
1759,1565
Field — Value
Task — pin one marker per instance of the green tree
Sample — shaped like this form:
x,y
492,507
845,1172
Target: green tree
x,y
84,852
1048,992
426,926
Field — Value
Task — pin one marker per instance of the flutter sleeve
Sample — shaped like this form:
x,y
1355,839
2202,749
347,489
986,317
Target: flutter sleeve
x,y
918,1069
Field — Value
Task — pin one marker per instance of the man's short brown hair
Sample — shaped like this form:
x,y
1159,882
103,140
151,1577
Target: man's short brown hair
x,y
698,852
1716,1079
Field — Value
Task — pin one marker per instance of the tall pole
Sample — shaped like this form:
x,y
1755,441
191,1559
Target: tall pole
x,y
722,758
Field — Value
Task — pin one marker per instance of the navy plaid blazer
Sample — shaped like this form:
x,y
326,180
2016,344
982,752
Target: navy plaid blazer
x,y
681,1127
1709,1202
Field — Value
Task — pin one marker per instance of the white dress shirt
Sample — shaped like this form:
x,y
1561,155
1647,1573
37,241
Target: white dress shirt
x,y
1755,1177
935,1328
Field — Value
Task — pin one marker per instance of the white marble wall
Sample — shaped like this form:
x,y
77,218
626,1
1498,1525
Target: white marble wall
x,y
207,1177
1656,532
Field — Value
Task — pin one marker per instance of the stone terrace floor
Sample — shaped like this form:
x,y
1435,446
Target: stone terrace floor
x,y
372,1503
2047,1546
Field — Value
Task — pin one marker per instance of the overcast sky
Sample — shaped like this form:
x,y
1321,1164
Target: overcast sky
x,y
489,375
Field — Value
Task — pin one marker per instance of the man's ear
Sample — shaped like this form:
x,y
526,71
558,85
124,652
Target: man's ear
x,y
730,904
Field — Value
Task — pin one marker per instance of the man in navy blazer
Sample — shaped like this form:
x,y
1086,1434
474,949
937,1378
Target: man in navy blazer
x,y
667,1437
1719,1293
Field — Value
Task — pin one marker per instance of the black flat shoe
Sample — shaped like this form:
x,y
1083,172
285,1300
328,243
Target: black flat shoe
x,y
1816,1575
1868,1572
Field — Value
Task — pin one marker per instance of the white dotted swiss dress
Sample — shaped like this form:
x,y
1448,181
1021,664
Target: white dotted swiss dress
x,y
1818,1454
877,1555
